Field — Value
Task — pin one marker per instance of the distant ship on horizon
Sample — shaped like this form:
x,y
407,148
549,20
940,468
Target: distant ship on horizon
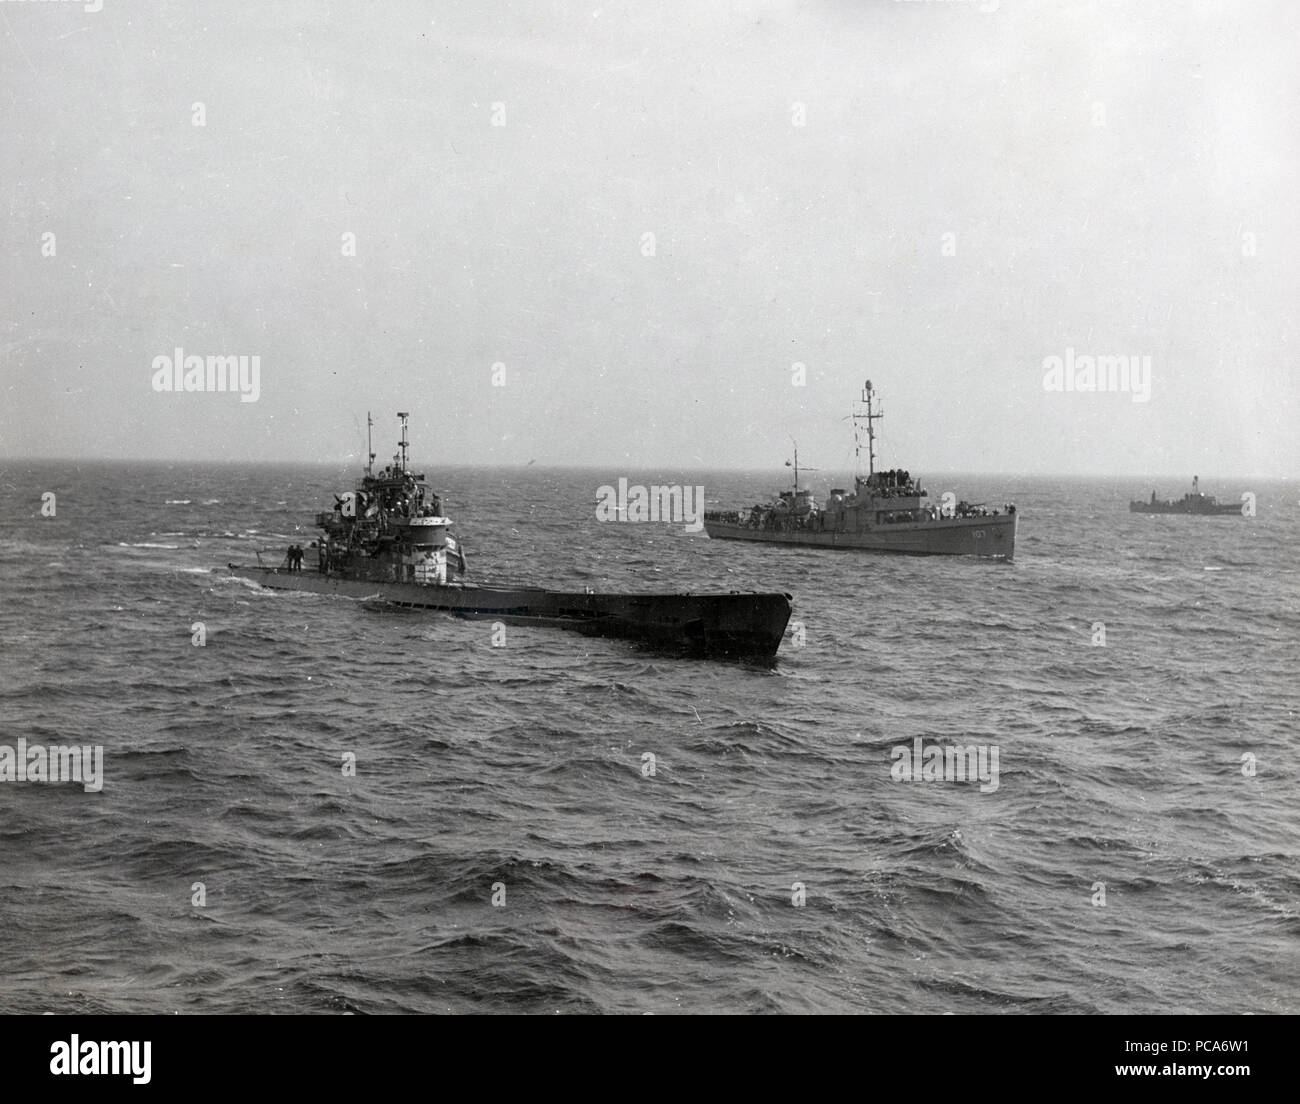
x,y
1193,503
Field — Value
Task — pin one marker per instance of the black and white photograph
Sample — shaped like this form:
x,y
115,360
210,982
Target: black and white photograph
x,y
763,507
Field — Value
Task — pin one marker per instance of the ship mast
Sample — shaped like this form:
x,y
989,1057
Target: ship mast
x,y
370,448
796,465
403,442
868,417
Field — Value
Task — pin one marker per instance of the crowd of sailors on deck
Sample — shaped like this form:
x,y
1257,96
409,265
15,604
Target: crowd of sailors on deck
x,y
895,483
399,498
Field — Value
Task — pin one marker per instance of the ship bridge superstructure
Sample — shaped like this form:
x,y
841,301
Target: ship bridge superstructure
x,y
391,527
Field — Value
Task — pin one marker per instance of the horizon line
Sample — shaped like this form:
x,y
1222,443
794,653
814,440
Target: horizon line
x,y
334,464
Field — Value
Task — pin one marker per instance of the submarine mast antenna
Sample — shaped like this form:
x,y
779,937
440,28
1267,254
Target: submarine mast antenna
x,y
370,448
403,442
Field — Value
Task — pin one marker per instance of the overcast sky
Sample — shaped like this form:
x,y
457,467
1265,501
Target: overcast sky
x,y
938,196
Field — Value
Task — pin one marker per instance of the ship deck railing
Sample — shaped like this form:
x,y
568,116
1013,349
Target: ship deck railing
x,y
826,521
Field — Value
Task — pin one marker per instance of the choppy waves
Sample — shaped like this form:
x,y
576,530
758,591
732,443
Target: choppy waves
x,y
381,811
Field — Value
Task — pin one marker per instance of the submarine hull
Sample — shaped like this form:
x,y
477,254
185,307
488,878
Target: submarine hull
x,y
722,626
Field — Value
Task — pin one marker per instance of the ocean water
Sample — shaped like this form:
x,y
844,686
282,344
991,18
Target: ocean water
x,y
503,846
